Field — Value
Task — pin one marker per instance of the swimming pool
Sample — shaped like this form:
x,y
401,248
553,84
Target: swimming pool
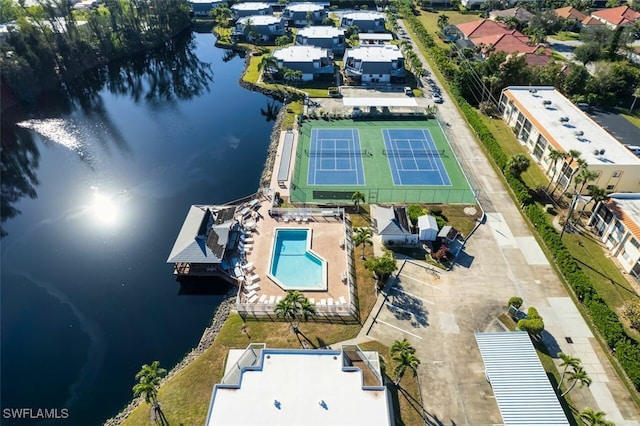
x,y
294,266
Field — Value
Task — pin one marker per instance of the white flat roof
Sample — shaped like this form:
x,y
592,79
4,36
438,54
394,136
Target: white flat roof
x,y
375,36
363,16
380,102
300,53
321,32
250,6
375,53
304,7
566,135
630,203
520,384
261,19
289,389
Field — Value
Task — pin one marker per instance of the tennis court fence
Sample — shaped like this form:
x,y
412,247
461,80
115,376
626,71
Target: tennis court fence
x,y
338,153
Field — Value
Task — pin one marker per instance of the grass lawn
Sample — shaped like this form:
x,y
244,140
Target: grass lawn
x,y
605,276
430,21
293,110
406,396
566,36
185,397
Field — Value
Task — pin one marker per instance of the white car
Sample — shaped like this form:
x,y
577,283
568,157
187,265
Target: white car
x,y
438,99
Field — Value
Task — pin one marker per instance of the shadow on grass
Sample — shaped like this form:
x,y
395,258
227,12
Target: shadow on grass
x,y
611,280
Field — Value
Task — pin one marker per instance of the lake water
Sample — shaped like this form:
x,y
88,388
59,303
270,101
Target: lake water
x,y
87,297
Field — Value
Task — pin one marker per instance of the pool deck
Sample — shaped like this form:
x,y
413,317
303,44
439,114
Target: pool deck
x,y
328,233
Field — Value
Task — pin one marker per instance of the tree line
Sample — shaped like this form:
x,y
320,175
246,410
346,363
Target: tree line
x,y
51,43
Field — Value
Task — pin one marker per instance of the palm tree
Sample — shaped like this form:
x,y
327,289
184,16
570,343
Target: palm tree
x,y
268,64
590,417
568,361
584,176
443,21
401,346
518,164
295,307
597,194
362,237
554,156
149,378
574,155
403,361
577,376
357,198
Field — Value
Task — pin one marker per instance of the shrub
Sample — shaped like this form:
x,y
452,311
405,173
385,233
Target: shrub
x,y
533,326
515,301
631,311
532,313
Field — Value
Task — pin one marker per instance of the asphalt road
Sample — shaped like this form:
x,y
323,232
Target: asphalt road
x,y
621,128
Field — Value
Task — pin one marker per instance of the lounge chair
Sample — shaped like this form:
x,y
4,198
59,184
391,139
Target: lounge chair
x,y
330,301
298,218
252,287
251,293
286,218
262,299
247,266
272,300
253,278
342,300
312,300
278,299
252,299
323,302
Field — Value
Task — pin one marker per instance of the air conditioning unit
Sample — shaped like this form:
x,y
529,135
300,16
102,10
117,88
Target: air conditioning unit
x,y
564,119
533,91
602,152
546,102
578,133
596,152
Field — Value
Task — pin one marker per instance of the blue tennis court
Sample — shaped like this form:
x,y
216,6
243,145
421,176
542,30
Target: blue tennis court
x,y
414,158
335,157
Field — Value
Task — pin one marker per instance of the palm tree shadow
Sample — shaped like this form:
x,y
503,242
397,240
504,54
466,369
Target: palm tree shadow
x,y
158,415
304,342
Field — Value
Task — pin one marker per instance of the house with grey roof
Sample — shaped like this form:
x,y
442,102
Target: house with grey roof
x,y
304,13
314,62
330,38
203,7
258,28
392,224
203,239
367,22
241,10
374,64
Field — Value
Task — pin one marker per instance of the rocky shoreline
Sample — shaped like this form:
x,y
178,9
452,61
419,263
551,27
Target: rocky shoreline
x,y
226,306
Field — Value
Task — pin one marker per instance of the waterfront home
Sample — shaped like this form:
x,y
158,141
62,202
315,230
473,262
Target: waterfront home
x,y
203,7
367,22
301,386
374,64
258,28
241,10
393,225
301,14
330,38
202,241
616,221
544,120
314,62
519,14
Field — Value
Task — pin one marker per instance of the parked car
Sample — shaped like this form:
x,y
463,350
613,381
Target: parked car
x,y
438,99
408,91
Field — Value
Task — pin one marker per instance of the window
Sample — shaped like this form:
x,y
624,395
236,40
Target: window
x,y
626,256
635,243
616,174
610,187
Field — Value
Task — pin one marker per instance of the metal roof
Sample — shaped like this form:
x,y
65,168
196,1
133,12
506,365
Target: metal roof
x,y
520,384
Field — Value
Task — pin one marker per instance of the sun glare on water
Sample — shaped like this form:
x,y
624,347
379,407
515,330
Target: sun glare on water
x,y
107,208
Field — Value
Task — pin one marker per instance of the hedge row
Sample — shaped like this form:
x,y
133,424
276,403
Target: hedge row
x,y
604,318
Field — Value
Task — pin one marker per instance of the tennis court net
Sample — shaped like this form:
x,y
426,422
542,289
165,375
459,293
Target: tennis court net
x,y
338,153
413,153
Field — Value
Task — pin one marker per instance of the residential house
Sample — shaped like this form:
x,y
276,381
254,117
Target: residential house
x,y
259,27
301,386
543,119
241,10
330,38
375,38
374,64
572,14
203,239
393,225
616,221
520,14
301,14
314,62
590,22
621,16
367,22
203,7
